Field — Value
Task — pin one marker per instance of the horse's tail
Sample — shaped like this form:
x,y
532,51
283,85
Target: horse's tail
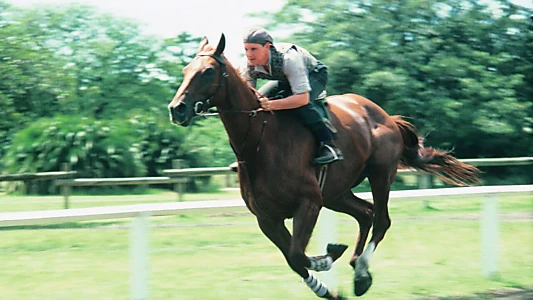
x,y
430,160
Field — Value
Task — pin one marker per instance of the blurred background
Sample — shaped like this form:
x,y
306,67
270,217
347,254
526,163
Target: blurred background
x,y
86,84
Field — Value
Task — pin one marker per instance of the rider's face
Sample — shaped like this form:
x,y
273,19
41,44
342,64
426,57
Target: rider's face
x,y
257,54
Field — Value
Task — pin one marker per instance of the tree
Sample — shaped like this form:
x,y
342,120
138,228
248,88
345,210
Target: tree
x,y
73,61
461,70
31,83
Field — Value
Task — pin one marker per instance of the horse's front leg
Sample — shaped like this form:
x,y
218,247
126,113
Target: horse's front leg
x,y
325,262
276,231
304,222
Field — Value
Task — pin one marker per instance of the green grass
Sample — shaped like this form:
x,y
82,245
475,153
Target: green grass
x,y
427,252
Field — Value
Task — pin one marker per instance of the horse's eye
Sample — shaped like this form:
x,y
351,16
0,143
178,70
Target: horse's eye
x,y
208,75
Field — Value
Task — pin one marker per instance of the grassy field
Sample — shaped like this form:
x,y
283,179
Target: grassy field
x,y
427,253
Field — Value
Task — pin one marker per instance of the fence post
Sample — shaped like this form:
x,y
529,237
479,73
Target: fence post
x,y
139,252
327,224
425,182
489,236
178,187
228,180
24,188
65,189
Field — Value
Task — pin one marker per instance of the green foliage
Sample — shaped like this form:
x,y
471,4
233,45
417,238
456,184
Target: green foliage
x,y
158,141
74,61
209,142
31,80
143,145
93,148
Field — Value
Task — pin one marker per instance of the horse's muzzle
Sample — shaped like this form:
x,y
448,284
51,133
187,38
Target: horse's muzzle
x,y
179,114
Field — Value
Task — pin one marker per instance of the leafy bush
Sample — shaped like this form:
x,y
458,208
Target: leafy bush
x,y
143,145
203,144
209,142
159,142
93,148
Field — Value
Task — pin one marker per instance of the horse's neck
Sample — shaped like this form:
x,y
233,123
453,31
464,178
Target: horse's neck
x,y
242,124
240,97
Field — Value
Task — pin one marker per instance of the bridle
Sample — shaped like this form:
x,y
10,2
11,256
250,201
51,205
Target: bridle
x,y
201,108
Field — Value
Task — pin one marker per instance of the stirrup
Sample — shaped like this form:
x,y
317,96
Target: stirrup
x,y
336,156
331,150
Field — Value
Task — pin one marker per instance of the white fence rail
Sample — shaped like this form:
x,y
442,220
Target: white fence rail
x,y
139,230
178,176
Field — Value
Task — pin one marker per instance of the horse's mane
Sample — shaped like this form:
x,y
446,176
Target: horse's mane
x,y
254,91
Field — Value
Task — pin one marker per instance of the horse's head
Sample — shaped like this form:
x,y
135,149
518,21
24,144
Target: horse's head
x,y
203,78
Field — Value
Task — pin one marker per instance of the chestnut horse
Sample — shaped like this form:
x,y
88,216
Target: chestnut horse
x,y
277,179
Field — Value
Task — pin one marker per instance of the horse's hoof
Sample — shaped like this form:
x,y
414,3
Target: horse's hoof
x,y
352,262
336,250
361,285
336,296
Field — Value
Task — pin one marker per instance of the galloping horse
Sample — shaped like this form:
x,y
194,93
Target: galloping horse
x,y
278,181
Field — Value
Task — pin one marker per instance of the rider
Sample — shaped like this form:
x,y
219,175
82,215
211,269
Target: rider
x,y
298,77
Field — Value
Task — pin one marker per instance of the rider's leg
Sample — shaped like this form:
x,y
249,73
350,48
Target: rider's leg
x,y
316,122
327,152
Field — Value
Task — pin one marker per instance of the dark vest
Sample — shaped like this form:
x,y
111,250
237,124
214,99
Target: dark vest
x,y
277,59
276,67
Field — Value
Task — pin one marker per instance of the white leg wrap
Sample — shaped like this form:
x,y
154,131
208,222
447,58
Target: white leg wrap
x,y
363,261
316,285
321,263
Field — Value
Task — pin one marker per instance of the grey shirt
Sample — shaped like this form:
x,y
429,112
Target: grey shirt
x,y
297,63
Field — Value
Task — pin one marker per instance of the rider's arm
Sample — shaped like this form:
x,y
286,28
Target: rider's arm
x,y
294,101
297,75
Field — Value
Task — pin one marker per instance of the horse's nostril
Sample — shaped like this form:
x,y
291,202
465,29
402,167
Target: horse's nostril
x,y
181,108
178,113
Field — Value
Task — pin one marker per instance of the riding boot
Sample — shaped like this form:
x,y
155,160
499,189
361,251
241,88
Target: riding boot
x,y
327,153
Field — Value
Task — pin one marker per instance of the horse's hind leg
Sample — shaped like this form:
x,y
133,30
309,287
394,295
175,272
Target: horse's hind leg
x,y
380,184
359,209
293,247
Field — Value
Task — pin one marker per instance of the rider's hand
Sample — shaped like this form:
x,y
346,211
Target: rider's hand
x,y
265,103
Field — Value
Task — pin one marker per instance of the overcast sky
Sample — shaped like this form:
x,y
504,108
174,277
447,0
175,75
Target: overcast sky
x,y
209,18
168,18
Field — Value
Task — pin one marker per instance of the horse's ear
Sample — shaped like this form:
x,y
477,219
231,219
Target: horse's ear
x,y
203,43
221,45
